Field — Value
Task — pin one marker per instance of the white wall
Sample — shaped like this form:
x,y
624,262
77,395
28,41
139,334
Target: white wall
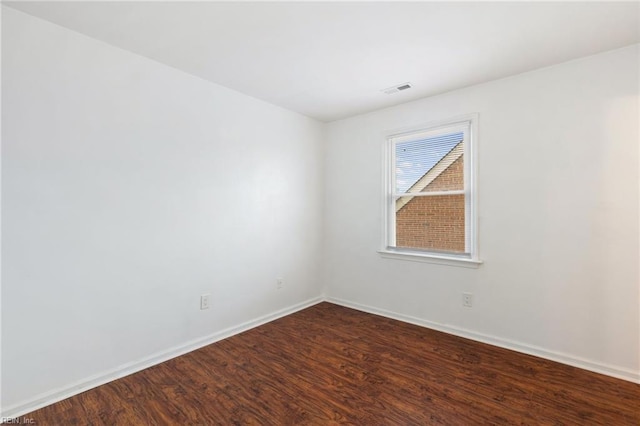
x,y
558,213
128,189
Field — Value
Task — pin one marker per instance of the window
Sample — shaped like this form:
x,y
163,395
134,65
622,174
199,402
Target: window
x,y
430,202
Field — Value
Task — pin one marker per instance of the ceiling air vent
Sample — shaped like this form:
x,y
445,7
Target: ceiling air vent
x,y
397,88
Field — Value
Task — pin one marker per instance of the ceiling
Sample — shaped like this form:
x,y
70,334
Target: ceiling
x,y
330,60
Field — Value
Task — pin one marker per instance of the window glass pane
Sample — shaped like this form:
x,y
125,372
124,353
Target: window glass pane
x,y
434,222
432,164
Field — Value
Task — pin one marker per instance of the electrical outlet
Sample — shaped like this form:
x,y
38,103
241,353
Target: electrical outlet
x,y
279,283
205,301
467,300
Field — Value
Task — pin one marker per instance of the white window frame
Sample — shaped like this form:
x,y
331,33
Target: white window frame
x,y
468,125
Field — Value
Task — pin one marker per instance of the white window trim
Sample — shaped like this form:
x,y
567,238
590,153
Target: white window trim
x,y
470,260
429,257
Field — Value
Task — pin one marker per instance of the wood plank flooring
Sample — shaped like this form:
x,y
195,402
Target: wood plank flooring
x,y
330,365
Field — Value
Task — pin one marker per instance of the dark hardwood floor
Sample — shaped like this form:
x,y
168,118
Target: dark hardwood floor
x,y
333,365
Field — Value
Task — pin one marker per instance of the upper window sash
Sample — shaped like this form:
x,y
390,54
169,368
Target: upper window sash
x,y
463,127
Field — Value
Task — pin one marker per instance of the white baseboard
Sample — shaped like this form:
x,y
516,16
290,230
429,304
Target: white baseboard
x,y
91,382
608,370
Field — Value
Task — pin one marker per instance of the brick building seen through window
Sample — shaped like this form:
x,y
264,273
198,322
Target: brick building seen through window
x,y
435,222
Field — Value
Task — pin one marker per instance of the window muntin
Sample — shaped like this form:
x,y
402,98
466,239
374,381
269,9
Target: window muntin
x,y
430,198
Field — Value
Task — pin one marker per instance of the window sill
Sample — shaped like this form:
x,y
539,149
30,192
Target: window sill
x,y
431,258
